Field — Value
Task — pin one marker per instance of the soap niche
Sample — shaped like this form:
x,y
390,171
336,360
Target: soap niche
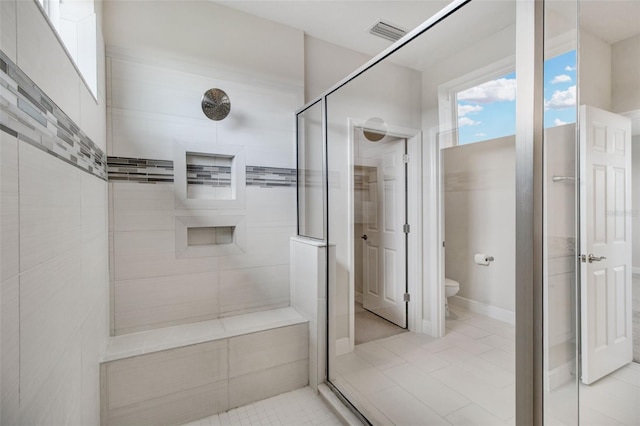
x,y
210,236
209,176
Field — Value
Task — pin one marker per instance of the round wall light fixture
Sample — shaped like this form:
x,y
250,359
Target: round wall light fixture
x,y
374,129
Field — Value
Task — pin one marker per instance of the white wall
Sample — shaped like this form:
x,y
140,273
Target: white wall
x,y
626,75
595,71
326,64
54,272
479,199
156,81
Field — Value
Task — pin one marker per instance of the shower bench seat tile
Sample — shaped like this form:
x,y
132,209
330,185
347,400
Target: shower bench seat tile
x,y
179,374
145,342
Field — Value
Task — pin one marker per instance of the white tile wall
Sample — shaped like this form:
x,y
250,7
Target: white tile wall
x,y
93,199
144,254
142,134
41,56
265,383
50,313
259,351
8,28
136,380
95,275
9,220
142,207
94,328
53,230
10,347
154,106
251,289
50,212
57,400
92,117
146,303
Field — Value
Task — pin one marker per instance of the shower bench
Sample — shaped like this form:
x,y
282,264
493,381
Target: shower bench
x,y
178,374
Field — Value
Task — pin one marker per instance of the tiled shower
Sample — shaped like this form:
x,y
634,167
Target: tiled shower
x,y
145,248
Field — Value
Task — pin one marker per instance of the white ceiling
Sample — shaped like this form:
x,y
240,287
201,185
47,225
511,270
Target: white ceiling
x,y
346,22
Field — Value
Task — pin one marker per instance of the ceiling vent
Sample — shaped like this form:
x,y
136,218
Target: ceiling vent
x,y
387,31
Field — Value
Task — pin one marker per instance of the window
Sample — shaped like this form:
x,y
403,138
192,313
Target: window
x,y
74,22
487,110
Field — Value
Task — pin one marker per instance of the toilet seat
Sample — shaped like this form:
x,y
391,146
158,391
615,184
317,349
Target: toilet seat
x,y
448,282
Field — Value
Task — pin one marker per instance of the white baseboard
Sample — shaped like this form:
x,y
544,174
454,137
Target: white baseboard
x,y
358,297
484,309
635,270
343,346
559,376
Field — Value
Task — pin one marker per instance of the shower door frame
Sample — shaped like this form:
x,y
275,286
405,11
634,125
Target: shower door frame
x,y
529,200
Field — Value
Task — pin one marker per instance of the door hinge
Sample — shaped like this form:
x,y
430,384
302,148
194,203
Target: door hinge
x,y
406,228
407,297
405,158
443,244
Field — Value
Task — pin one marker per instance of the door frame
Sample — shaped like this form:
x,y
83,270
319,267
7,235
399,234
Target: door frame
x,y
414,214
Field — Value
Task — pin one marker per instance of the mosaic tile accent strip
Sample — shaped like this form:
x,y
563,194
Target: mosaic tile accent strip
x,y
218,176
26,112
271,177
161,171
140,170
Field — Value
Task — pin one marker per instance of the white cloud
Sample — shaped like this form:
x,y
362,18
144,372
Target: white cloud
x,y
480,135
562,78
466,121
562,99
569,68
501,89
558,122
467,109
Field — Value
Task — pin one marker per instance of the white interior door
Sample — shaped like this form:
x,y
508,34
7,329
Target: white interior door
x,y
605,213
384,253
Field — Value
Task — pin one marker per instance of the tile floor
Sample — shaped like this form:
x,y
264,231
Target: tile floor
x,y
301,407
466,378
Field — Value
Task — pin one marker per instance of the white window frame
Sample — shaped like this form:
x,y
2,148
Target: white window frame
x,y
447,92
447,96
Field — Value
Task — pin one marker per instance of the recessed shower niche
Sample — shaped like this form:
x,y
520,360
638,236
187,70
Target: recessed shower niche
x,y
210,185
209,178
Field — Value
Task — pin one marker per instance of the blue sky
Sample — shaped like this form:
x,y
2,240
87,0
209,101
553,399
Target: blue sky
x,y
488,110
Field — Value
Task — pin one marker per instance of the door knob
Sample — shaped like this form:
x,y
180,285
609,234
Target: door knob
x,y
364,237
593,258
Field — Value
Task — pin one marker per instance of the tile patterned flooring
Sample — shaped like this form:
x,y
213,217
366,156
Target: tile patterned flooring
x,y
301,407
467,378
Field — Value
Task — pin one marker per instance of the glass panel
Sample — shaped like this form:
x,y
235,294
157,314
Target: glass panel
x,y
310,158
447,355
560,277
609,92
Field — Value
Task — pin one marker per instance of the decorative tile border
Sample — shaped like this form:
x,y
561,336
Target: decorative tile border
x,y
26,112
218,176
142,170
271,177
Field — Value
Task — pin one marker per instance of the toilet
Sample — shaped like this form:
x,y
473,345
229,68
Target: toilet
x,y
451,287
